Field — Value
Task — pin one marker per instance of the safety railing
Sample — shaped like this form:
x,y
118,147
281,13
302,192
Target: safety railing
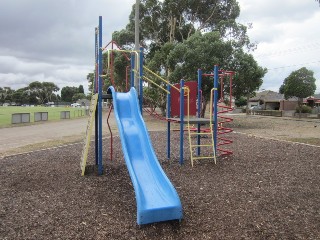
x,y
160,78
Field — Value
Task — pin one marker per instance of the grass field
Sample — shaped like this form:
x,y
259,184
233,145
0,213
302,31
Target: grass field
x,y
53,113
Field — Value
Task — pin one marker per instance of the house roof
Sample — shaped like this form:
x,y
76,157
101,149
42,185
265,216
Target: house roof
x,y
315,97
269,96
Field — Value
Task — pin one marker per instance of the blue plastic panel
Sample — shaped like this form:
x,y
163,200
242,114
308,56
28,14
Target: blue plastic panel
x,y
157,199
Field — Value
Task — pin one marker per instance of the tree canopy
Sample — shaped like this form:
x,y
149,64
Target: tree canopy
x,y
6,94
249,74
68,92
198,51
35,93
300,83
43,91
182,36
176,20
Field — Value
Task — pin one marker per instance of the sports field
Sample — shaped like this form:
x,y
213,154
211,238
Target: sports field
x,y
53,113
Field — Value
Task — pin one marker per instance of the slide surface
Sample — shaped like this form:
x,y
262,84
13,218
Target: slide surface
x,y
157,199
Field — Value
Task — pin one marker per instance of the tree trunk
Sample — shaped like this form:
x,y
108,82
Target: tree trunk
x,y
172,23
247,107
203,108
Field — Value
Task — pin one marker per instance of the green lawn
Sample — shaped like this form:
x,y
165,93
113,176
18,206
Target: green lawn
x,y
53,113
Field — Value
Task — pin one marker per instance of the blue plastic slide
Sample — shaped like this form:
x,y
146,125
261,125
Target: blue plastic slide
x,y
157,199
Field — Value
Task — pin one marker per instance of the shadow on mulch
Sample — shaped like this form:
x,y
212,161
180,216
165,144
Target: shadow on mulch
x,y
266,190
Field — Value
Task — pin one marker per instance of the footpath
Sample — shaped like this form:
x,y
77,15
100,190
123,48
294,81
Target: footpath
x,y
20,139
25,138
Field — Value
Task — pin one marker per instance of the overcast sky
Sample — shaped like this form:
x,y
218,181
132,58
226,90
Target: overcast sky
x,y
288,37
45,40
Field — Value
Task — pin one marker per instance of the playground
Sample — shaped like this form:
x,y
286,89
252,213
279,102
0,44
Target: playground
x,y
199,179
260,192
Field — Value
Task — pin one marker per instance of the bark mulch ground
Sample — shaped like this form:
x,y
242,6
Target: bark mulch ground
x,y
266,190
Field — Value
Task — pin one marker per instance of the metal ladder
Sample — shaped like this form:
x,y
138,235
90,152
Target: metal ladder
x,y
193,147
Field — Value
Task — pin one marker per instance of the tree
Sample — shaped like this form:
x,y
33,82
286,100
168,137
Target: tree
x,y
78,96
248,77
300,83
21,96
80,89
120,73
6,94
242,101
90,79
123,37
199,51
181,36
68,92
43,91
176,20
37,89
48,90
169,22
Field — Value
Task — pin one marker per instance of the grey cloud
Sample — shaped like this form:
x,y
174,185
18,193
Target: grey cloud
x,y
274,12
44,40
49,30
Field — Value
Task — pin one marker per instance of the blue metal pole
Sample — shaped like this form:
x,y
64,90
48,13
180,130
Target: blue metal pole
x,y
96,125
199,107
215,105
95,91
168,123
132,70
100,167
141,80
181,119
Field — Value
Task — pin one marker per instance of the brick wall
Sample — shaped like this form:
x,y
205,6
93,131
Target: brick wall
x,y
288,105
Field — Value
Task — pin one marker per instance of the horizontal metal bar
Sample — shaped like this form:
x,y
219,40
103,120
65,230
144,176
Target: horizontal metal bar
x,y
203,157
205,145
200,133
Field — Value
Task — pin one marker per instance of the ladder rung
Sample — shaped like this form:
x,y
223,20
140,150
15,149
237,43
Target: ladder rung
x,y
205,145
203,157
200,133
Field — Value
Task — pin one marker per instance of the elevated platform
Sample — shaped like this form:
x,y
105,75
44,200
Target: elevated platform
x,y
191,120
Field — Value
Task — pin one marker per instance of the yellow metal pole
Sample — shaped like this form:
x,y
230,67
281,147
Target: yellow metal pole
x,y
211,106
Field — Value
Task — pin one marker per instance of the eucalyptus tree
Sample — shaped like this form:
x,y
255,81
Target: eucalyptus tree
x,y
300,83
248,77
181,36
6,94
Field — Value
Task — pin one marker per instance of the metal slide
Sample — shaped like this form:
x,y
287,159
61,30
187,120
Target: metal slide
x,y
156,198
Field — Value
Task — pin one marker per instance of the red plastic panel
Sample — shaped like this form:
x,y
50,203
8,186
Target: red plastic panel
x,y
175,99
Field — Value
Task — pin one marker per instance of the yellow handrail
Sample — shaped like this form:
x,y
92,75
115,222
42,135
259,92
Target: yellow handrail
x,y
164,80
189,133
152,82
